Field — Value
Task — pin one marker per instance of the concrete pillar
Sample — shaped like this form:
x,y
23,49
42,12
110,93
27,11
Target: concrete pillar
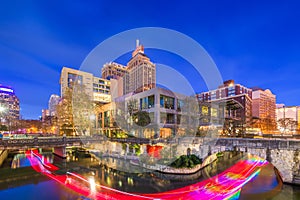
x,y
60,151
127,149
209,151
268,155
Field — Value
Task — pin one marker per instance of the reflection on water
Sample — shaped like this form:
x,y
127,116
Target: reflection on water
x,y
20,160
46,190
265,186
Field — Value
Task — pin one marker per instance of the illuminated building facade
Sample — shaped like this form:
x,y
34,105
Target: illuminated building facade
x,y
137,76
230,104
165,111
9,107
53,102
142,72
264,108
119,77
113,70
45,114
98,89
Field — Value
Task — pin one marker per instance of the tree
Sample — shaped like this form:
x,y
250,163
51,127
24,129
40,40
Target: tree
x,y
141,118
287,124
83,110
267,124
190,116
3,128
74,111
64,113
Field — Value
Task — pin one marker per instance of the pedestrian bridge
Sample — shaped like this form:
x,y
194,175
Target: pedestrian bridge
x,y
284,154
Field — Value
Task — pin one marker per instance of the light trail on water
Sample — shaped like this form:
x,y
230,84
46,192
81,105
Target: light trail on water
x,y
226,185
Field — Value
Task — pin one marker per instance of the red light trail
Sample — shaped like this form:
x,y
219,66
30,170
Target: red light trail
x,y
226,185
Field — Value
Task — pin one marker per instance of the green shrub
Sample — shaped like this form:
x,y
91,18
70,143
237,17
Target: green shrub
x,y
185,161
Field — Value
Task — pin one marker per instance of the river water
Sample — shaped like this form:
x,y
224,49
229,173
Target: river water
x,y
31,185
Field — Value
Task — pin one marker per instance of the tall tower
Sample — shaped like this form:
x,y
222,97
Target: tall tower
x,y
142,72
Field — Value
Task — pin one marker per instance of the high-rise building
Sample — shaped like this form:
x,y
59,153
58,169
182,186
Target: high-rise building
x,y
53,102
139,75
45,114
142,72
119,77
9,106
264,108
230,104
98,89
113,70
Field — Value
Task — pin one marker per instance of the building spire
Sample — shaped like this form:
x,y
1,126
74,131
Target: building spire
x,y
139,48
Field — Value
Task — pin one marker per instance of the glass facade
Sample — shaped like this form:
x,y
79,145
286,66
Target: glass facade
x,y
167,102
74,79
147,102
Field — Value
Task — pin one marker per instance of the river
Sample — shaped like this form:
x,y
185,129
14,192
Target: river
x,y
28,184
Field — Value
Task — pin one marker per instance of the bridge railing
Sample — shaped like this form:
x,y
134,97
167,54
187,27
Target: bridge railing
x,y
272,143
259,143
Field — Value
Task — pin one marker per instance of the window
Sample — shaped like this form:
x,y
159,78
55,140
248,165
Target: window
x,y
144,103
74,79
204,110
170,118
147,102
180,104
213,95
151,101
167,118
214,112
178,119
231,91
167,102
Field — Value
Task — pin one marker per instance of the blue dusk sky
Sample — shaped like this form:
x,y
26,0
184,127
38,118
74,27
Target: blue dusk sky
x,y
256,43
